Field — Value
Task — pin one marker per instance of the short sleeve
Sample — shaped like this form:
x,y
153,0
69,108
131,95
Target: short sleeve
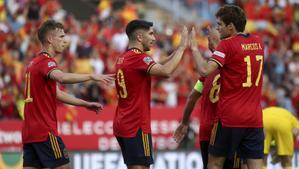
x,y
202,79
145,63
47,66
219,55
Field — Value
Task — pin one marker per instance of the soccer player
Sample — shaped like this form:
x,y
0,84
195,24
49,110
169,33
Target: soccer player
x,y
42,147
239,57
278,125
134,69
208,88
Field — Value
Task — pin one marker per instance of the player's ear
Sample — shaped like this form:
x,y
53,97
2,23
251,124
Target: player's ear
x,y
49,38
138,36
231,26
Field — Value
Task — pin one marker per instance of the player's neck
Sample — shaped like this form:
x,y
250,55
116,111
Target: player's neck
x,y
136,46
238,33
49,51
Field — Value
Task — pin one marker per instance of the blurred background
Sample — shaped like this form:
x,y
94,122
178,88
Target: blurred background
x,y
96,29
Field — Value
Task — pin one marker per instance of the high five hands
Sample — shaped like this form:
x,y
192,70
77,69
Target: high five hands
x,y
190,39
184,38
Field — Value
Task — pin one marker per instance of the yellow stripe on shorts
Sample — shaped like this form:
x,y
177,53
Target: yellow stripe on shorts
x,y
148,146
55,146
236,161
145,144
213,134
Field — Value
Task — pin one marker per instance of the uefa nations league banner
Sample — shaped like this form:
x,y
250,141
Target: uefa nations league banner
x,y
91,144
114,160
84,130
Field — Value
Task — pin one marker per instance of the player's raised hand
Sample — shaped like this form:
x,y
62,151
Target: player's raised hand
x,y
106,79
213,38
184,37
193,40
94,106
180,133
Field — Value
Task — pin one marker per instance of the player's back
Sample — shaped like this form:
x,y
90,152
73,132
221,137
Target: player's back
x,y
133,85
276,116
241,58
209,99
40,102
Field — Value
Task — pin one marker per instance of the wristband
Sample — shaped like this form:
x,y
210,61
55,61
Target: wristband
x,y
198,86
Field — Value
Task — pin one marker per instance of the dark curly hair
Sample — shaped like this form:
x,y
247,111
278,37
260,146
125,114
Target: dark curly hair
x,y
232,14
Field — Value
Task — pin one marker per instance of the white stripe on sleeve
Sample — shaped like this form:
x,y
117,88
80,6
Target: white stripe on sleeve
x,y
219,54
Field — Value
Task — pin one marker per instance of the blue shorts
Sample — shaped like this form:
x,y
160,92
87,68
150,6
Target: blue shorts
x,y
48,154
229,163
248,142
137,150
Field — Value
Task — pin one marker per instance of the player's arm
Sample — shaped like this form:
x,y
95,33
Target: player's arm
x,y
295,124
204,67
213,39
191,100
69,99
181,130
168,68
166,60
63,77
294,121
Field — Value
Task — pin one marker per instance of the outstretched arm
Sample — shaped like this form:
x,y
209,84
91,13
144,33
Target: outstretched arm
x,y
167,59
168,68
204,67
191,101
181,130
68,99
63,77
213,38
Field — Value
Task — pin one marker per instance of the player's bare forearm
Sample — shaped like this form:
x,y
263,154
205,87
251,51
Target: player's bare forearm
x,y
191,100
201,63
168,58
76,78
213,38
174,60
178,53
168,68
69,78
204,67
69,99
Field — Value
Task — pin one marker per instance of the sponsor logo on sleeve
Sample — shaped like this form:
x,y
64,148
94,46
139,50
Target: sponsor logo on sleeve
x,y
147,60
51,64
220,54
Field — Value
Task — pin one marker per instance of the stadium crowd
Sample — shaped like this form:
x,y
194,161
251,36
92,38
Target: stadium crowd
x,y
95,44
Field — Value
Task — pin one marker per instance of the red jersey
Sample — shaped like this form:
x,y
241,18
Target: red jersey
x,y
241,60
133,85
209,99
40,101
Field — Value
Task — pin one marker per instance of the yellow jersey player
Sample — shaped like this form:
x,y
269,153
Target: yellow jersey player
x,y
278,126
